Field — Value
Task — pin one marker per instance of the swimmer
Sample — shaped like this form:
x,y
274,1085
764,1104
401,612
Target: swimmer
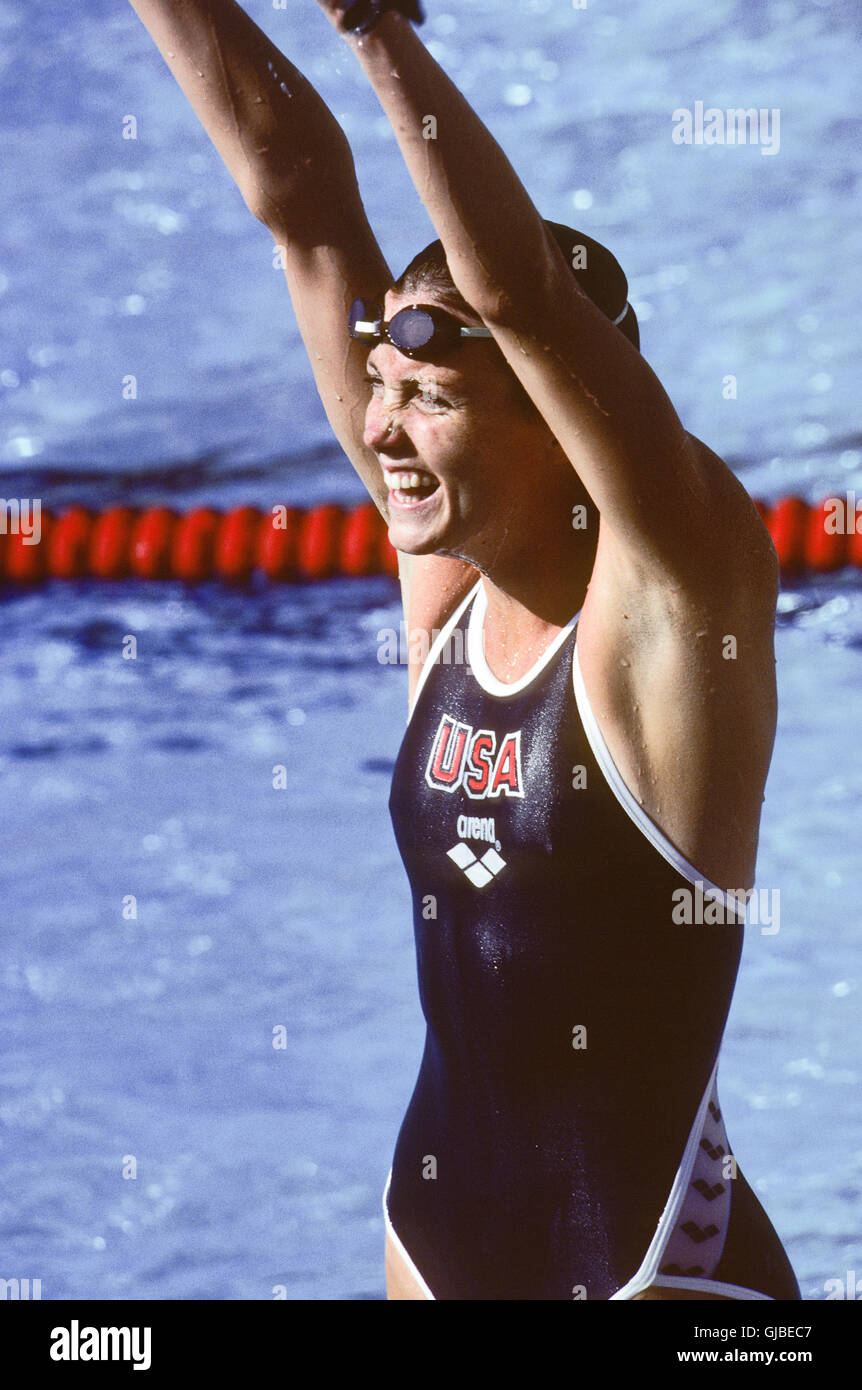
x,y
590,733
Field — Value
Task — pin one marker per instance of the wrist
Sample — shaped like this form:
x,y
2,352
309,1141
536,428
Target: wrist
x,y
365,20
381,51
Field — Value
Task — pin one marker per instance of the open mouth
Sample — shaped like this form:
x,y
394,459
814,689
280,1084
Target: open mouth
x,y
411,489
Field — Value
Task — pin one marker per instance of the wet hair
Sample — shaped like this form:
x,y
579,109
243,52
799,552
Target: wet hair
x,y
596,270
429,273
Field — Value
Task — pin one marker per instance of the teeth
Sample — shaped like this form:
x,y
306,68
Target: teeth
x,y
409,482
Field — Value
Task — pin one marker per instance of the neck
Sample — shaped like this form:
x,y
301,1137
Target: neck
x,y
536,569
535,577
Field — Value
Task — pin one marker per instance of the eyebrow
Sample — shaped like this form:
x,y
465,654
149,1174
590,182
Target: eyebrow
x,y
450,384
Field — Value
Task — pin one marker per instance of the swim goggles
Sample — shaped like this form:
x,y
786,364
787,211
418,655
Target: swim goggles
x,y
411,330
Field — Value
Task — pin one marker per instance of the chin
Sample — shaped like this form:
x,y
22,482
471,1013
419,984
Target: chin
x,y
416,536
408,543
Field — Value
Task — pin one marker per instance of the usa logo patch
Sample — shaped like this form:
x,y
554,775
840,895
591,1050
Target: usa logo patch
x,y
463,757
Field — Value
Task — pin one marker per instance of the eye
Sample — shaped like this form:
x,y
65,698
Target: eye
x,y
431,398
374,382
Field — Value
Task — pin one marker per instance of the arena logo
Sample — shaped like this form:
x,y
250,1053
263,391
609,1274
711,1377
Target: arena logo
x,y
462,757
478,828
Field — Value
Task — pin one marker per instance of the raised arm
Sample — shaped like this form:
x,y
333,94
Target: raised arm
x,y
293,166
655,490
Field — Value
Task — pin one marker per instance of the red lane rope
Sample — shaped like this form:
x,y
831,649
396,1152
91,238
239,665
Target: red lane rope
x,y
289,544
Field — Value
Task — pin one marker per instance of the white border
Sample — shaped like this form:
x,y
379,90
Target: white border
x,y
648,1271
647,1275
439,642
396,1241
672,1281
627,1292
476,651
633,809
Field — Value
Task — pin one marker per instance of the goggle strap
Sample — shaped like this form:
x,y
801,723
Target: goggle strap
x,y
372,327
486,332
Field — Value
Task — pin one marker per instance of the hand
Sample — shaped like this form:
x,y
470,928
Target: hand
x,y
360,16
334,10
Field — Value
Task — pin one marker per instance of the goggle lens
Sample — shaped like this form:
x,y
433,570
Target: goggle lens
x,y
409,330
364,321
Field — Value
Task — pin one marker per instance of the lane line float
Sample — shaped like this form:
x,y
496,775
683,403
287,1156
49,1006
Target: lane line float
x,y
293,544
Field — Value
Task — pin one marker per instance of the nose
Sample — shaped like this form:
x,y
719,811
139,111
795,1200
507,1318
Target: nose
x,y
380,426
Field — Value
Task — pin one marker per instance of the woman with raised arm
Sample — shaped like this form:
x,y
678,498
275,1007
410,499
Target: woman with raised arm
x,y
577,802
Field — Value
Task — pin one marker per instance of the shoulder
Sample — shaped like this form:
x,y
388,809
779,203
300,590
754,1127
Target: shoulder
x,y
722,561
736,534
666,624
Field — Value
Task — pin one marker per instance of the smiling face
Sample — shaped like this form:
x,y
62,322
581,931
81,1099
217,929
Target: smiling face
x,y
461,455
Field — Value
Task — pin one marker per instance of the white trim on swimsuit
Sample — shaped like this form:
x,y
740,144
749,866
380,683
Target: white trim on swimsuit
x,y
476,650
399,1246
630,805
647,1275
439,643
663,1281
493,686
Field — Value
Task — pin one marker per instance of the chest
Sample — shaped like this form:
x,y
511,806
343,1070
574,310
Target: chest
x,y
489,781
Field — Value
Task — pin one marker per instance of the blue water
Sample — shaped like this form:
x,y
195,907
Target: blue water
x,y
151,1037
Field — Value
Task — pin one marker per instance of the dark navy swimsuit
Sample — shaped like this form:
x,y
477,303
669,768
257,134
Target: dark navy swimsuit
x,y
564,1138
